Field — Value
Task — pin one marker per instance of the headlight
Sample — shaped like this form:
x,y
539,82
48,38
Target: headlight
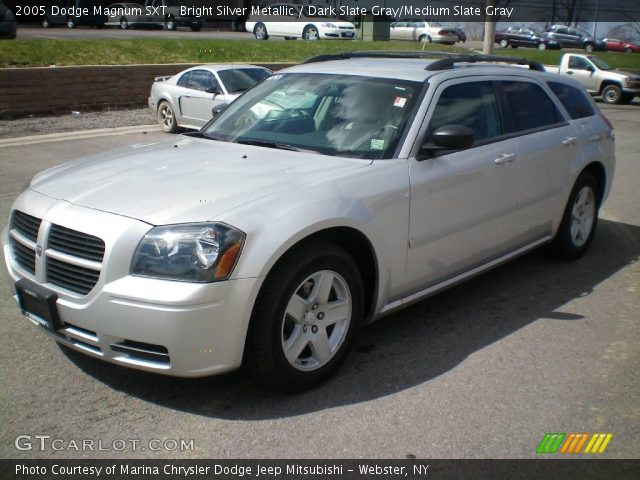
x,y
192,252
329,25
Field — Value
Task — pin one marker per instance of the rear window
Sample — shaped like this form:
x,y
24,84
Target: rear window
x,y
531,108
574,100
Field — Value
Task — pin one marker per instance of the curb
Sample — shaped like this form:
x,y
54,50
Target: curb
x,y
78,134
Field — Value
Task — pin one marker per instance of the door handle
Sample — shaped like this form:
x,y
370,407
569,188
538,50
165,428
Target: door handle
x,y
505,158
570,141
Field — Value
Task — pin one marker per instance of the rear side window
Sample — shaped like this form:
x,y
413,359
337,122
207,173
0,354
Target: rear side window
x,y
574,100
473,105
530,107
183,81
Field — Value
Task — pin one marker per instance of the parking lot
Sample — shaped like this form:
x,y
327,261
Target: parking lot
x,y
482,370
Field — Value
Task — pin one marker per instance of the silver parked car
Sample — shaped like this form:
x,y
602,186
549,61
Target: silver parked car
x,y
329,195
188,98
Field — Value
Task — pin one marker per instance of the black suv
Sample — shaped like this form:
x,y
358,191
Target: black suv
x,y
574,38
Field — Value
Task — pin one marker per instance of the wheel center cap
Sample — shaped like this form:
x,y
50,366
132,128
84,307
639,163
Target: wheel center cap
x,y
310,317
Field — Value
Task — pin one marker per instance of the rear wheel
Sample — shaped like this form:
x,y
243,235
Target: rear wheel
x,y
166,118
612,94
45,22
171,24
310,33
124,23
422,38
627,49
260,32
71,22
579,220
305,318
588,47
542,46
504,43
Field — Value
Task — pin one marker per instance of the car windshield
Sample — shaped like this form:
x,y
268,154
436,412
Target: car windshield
x,y
242,79
341,115
601,64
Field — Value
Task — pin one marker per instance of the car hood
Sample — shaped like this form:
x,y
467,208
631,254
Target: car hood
x,y
186,179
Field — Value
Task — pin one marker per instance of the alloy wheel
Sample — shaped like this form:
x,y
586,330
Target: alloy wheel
x,y
583,215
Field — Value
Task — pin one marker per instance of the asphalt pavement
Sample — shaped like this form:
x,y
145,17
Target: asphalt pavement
x,y
482,370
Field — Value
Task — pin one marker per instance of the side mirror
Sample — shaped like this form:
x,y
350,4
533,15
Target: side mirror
x,y
448,137
218,109
590,68
213,90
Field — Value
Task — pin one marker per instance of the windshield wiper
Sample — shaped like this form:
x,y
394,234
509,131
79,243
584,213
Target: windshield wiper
x,y
279,146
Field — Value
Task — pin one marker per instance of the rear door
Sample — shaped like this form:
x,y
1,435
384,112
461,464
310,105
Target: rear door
x,y
462,202
548,146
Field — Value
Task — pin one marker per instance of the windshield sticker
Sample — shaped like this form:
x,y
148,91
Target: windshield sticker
x,y
377,144
274,77
399,102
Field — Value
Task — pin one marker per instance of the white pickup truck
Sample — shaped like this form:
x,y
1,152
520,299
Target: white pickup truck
x,y
598,78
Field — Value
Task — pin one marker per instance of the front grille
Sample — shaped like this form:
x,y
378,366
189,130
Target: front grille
x,y
76,243
62,243
27,225
72,277
24,256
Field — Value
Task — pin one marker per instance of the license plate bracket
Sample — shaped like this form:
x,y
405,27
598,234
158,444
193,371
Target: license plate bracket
x,y
38,303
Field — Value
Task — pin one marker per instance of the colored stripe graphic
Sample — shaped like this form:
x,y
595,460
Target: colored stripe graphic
x,y
574,443
598,443
550,442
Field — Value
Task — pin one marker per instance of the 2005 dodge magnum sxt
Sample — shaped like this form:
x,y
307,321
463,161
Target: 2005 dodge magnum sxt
x,y
330,194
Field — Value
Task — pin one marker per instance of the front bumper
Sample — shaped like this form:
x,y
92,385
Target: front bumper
x,y
174,328
337,34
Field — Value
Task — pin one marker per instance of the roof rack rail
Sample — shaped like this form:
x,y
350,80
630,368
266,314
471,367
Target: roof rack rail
x,y
377,54
449,62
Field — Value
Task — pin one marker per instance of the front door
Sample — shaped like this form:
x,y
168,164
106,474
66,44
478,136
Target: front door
x,y
462,203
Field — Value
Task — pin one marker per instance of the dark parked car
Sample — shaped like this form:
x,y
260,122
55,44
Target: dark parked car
x,y
569,37
524,37
64,12
8,27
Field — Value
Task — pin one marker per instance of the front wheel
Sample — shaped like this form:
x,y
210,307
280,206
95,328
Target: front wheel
x,y
260,32
124,23
588,47
45,22
542,46
171,24
306,317
612,94
579,219
310,33
71,23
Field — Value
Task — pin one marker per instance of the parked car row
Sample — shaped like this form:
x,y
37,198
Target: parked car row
x,y
153,14
560,36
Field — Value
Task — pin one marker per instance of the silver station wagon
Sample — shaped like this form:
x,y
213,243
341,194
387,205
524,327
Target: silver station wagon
x,y
325,197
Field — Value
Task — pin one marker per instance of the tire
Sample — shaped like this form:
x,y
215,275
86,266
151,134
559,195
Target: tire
x,y
287,316
422,38
579,220
45,22
429,39
542,46
627,49
166,118
588,47
124,23
171,24
196,28
71,23
612,94
260,31
310,33
504,43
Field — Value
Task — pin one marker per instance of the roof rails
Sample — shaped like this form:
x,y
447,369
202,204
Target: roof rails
x,y
376,54
448,62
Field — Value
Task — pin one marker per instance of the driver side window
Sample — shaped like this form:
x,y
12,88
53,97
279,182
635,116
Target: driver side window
x,y
472,105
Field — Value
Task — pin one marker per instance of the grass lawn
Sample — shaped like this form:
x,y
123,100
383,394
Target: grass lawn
x,y
36,53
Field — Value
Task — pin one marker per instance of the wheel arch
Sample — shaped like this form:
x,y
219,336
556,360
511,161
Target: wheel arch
x,y
355,243
599,172
607,82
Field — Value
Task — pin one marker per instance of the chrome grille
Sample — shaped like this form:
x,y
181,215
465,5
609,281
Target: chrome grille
x,y
72,277
24,256
27,225
75,243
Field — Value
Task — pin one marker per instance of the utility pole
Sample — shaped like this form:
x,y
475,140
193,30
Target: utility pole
x,y
489,31
595,20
